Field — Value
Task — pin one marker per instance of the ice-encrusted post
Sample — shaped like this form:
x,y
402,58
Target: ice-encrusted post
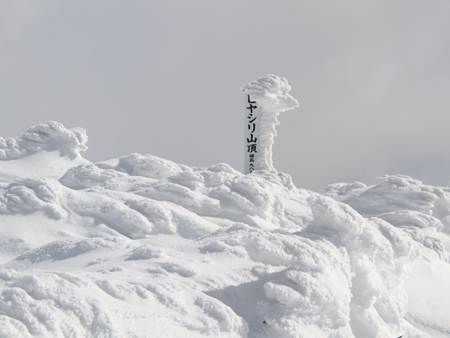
x,y
266,98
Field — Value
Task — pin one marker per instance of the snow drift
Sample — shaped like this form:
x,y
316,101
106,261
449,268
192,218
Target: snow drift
x,y
140,246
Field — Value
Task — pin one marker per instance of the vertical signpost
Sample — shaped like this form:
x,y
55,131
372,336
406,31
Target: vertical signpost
x,y
252,119
265,99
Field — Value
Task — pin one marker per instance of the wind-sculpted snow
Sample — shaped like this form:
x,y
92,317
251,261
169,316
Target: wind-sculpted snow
x,y
142,247
394,193
86,176
27,195
144,165
272,92
420,210
46,136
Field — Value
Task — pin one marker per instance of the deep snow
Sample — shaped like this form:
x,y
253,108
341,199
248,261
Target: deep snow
x,y
140,246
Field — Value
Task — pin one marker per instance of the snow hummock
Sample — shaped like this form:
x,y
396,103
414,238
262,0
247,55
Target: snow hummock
x,y
140,246
271,94
45,136
47,149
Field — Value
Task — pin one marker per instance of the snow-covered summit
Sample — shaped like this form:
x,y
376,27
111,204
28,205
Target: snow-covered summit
x,y
140,246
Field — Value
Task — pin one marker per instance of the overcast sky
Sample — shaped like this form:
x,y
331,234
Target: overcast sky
x,y
163,78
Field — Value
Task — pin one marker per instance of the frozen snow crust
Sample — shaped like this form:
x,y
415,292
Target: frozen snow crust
x,y
142,247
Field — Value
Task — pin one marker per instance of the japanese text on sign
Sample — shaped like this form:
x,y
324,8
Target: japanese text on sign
x,y
251,135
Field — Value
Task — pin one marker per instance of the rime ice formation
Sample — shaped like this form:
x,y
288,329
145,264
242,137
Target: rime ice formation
x,y
272,96
140,246
48,149
45,136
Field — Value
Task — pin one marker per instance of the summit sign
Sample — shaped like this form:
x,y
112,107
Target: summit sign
x,y
265,99
252,119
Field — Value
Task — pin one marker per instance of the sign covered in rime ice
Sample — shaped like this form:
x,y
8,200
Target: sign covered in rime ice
x,y
251,134
266,98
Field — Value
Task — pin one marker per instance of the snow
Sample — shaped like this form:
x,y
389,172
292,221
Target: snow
x,y
46,136
271,94
140,246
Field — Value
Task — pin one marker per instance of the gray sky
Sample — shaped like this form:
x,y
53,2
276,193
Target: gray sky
x,y
163,78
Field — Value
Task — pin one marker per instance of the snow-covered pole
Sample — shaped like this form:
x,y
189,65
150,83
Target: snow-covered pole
x,y
252,122
266,98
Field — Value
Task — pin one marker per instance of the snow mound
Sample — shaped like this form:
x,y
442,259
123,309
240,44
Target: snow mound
x,y
86,176
47,150
420,210
142,247
143,165
48,136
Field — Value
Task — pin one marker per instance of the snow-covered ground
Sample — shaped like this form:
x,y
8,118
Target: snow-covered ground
x,y
140,246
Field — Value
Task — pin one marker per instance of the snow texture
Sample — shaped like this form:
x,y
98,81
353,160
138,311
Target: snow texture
x,y
271,94
140,246
45,136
